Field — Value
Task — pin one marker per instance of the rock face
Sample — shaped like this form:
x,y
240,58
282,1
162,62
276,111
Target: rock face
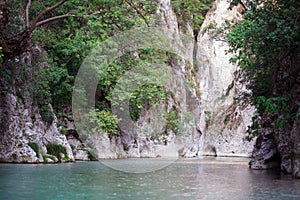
x,y
223,119
24,135
220,122
150,138
215,121
296,150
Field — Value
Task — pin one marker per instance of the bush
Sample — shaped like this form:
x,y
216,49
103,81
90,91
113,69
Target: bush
x,y
57,150
172,121
92,156
101,121
35,148
180,125
145,97
265,45
46,114
192,11
45,156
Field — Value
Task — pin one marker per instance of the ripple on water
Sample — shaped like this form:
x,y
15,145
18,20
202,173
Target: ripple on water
x,y
184,179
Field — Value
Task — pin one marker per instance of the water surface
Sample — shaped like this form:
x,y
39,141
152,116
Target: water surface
x,y
208,178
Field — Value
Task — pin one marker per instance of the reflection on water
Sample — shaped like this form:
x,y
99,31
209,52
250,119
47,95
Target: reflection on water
x,y
207,178
138,165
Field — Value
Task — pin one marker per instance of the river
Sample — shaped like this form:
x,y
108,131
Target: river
x,y
206,178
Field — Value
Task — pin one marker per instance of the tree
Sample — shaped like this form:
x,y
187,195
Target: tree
x,y
266,45
14,44
67,30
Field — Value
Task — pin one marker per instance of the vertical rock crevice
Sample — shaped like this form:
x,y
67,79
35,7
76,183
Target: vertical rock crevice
x,y
223,119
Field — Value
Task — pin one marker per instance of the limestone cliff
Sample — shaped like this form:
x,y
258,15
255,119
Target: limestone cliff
x,y
24,136
224,119
216,122
219,120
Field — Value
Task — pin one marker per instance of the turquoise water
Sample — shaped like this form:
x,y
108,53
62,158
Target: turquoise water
x,y
208,178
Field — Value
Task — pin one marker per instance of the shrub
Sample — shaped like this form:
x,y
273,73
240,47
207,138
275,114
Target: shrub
x,y
100,121
145,97
172,121
92,156
35,147
46,114
192,11
265,45
45,156
57,150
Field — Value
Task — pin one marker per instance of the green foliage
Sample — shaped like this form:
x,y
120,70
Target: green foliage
x,y
42,95
41,88
100,121
92,156
63,131
142,74
46,114
60,83
35,147
263,40
145,97
70,40
14,156
276,107
51,86
172,121
6,80
45,156
56,150
207,118
264,44
192,11
180,125
253,129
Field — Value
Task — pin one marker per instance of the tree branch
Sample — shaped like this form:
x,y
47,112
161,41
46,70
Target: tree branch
x,y
27,13
131,4
47,10
53,19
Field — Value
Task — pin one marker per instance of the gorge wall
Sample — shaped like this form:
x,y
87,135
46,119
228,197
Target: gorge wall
x,y
224,119
219,123
24,135
217,127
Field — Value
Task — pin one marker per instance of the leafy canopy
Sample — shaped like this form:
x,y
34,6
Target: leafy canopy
x,y
265,45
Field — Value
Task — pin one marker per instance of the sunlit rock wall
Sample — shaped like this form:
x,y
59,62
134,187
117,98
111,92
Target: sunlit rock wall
x,y
224,119
220,118
152,139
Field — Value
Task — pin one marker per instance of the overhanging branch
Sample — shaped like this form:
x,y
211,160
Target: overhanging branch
x,y
44,12
137,10
53,19
27,13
